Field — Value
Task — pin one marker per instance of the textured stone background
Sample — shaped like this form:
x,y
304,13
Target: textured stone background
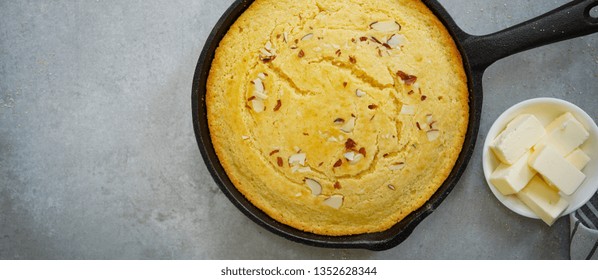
x,y
98,158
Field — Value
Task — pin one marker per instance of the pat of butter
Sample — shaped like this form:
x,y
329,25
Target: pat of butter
x,y
556,170
564,134
578,158
521,134
510,179
543,199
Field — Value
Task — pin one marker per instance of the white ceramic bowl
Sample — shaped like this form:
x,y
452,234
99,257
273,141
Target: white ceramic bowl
x,y
546,110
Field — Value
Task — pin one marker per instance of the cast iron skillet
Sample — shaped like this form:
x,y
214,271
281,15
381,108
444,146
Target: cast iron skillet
x,y
571,20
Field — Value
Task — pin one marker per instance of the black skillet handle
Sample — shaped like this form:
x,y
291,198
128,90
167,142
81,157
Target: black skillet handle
x,y
568,21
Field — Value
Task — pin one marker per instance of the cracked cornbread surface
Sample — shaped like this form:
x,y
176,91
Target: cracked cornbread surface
x,y
337,117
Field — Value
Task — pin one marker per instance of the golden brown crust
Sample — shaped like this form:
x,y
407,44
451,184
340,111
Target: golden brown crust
x,y
323,65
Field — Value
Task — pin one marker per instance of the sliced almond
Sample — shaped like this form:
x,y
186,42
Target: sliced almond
x,y
429,118
314,186
357,158
396,40
406,78
362,151
433,134
257,105
339,121
396,166
350,144
278,105
285,36
268,46
245,137
267,58
332,139
297,159
262,95
349,125
307,37
335,201
258,89
408,110
385,26
359,92
258,85
391,187
349,156
266,53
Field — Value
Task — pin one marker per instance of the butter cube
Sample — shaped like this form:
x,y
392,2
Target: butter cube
x,y
578,158
521,134
564,134
556,170
543,199
510,179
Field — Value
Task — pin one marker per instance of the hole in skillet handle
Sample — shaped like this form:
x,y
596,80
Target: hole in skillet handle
x,y
592,13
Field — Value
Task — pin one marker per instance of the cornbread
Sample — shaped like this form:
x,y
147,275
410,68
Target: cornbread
x,y
337,117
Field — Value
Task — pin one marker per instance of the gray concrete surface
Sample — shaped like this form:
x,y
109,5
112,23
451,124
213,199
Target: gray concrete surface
x,y
98,159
